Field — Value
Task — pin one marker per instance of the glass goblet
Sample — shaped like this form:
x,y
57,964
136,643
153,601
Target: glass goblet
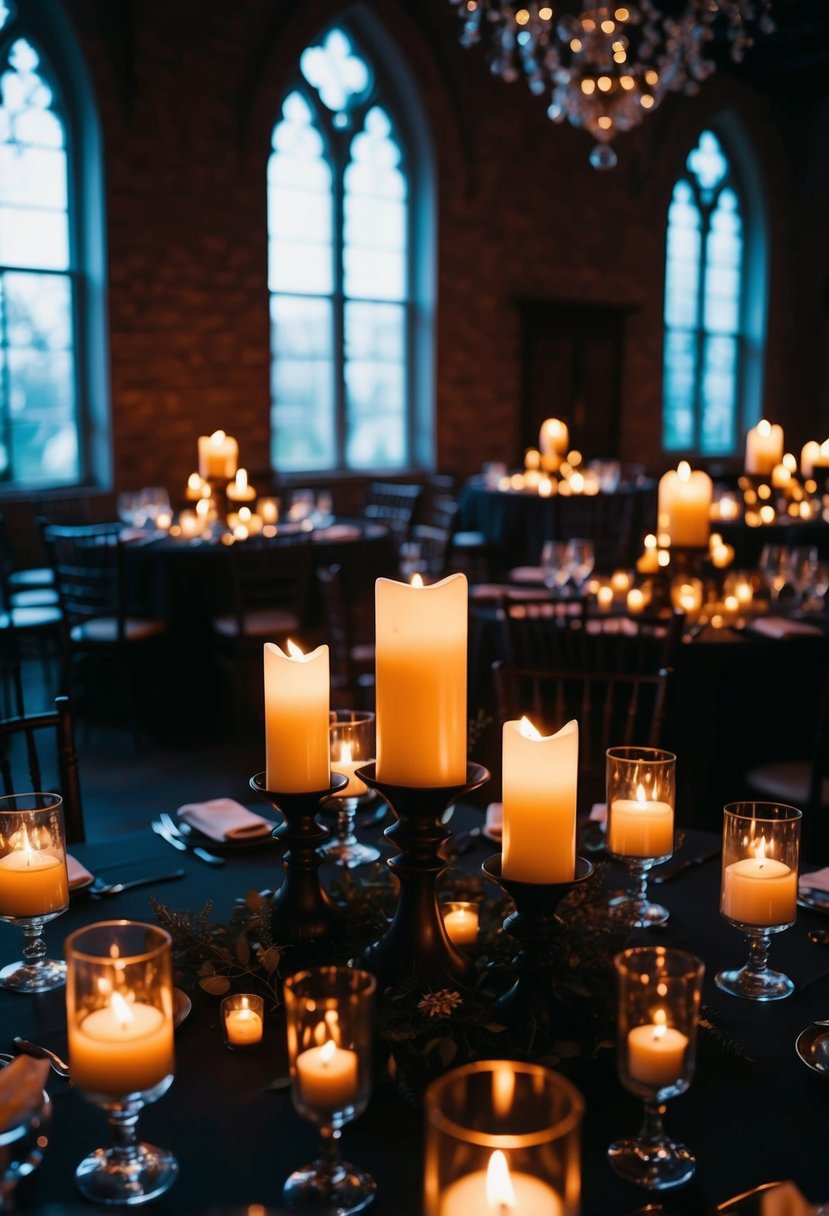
x,y
23,1141
119,1008
555,571
580,559
328,1012
641,794
34,887
659,994
351,734
760,856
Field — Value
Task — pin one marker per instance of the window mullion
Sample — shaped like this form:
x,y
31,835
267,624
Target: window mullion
x,y
338,308
5,420
705,227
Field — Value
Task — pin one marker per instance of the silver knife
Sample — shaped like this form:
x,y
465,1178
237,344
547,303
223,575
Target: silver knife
x,y
178,842
681,866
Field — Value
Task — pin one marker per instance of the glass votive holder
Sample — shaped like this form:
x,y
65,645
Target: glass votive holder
x,y
687,595
659,993
351,739
502,1136
641,795
243,1020
758,894
460,920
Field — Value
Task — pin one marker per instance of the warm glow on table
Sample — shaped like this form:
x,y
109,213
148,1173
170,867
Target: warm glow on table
x,y
123,1048
461,925
764,448
421,651
540,778
640,827
685,506
327,1077
296,719
656,1053
243,1026
499,1191
759,890
33,882
218,456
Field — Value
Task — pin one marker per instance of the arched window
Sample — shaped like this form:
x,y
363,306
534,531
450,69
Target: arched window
x,y
344,299
706,312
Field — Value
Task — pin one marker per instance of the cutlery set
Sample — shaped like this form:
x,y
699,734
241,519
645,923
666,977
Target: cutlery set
x,y
168,830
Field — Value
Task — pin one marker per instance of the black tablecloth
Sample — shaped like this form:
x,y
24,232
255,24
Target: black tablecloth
x,y
751,1114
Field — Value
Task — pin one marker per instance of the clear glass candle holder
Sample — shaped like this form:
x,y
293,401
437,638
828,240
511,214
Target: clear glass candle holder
x,y
23,1139
119,1011
329,1015
34,887
659,993
351,734
641,796
758,894
243,1020
460,920
503,1136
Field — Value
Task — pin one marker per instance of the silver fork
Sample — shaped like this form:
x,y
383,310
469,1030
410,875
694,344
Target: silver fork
x,y
98,889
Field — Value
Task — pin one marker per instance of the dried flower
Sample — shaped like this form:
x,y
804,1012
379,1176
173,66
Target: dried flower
x,y
440,1004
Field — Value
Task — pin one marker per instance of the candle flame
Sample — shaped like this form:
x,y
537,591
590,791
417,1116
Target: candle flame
x,y
241,479
759,850
641,796
345,756
500,1192
683,470
244,1003
527,729
244,514
650,541
218,438
294,651
660,1024
416,580
121,1010
327,1052
764,428
26,846
202,507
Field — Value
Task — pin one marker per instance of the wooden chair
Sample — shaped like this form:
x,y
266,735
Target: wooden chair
x,y
538,628
393,504
19,737
613,709
351,655
606,519
30,624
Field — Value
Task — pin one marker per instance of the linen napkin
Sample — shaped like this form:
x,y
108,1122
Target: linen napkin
x,y
785,1200
494,825
818,880
21,1090
224,819
77,873
782,627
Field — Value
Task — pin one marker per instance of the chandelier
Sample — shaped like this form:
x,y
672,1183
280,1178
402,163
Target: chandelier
x,y
608,65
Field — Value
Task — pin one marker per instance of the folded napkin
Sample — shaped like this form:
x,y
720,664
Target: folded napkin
x,y
494,826
786,1200
224,819
337,532
78,874
598,812
782,627
818,880
526,574
21,1090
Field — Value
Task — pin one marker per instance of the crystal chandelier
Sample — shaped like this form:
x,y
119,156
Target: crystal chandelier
x,y
608,65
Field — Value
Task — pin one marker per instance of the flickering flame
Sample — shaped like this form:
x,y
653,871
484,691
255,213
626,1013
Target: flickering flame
x,y
121,1010
327,1052
218,438
416,581
345,756
764,428
500,1192
244,1003
760,850
660,1024
527,729
241,479
294,650
641,796
683,470
245,515
203,507
650,541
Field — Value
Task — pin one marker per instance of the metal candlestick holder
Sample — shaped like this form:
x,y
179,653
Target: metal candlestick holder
x,y
535,923
303,911
416,943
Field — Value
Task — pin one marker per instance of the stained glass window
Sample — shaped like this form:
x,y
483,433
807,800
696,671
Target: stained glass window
x,y
704,306
39,441
339,250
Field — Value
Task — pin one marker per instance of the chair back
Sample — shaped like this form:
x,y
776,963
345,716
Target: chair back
x,y
613,709
20,738
394,505
606,519
351,659
88,568
558,634
268,575
540,629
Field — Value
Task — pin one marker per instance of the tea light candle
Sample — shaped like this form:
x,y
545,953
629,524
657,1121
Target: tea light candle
x,y
33,882
243,1026
640,827
190,524
685,505
125,1047
239,490
809,453
648,563
759,890
635,600
268,508
296,719
604,598
499,1191
540,777
656,1052
327,1076
686,595
218,456
197,488
461,923
620,580
764,448
342,762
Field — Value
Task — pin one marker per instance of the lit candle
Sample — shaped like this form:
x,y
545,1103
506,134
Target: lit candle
x,y
820,464
296,719
246,520
685,505
620,580
343,763
33,882
243,1026
239,489
197,488
635,600
190,524
163,521
686,595
809,453
764,448
540,777
721,556
461,923
218,456
744,592
268,508
604,598
421,651
759,890
553,437
656,1052
125,1047
327,1077
499,1191
640,827
781,477
532,459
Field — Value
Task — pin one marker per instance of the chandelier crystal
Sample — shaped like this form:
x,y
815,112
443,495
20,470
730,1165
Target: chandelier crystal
x,y
605,66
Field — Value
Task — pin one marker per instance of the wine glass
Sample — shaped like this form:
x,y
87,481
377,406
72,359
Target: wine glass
x,y
659,996
774,568
34,887
760,855
119,1010
328,1012
152,501
555,570
23,1140
641,796
580,559
351,734
127,508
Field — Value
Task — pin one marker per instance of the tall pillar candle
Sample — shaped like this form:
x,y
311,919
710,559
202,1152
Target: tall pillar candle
x,y
296,719
218,456
764,448
553,437
685,506
540,779
421,682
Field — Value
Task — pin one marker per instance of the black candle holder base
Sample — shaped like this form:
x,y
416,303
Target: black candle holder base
x,y
535,923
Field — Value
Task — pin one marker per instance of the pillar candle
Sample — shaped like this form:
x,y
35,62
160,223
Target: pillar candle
x,y
218,456
809,453
759,890
499,1191
540,778
239,490
656,1053
123,1048
685,506
553,437
33,882
764,448
640,827
421,682
296,719
327,1077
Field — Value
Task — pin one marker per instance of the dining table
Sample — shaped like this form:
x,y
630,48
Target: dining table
x,y
754,1111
